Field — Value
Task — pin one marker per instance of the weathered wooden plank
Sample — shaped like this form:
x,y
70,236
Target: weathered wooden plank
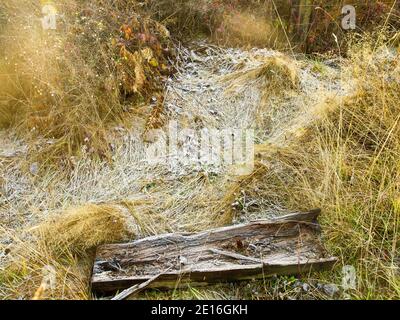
x,y
286,245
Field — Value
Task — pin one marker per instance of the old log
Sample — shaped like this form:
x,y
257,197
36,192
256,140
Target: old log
x,y
282,246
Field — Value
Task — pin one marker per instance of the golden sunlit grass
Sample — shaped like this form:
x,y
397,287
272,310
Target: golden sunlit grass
x,y
69,86
55,106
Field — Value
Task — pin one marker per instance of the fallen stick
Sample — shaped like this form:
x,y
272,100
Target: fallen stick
x,y
130,292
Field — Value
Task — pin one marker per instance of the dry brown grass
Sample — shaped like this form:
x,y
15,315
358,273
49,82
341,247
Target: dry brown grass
x,y
277,73
242,23
341,154
347,162
83,228
65,244
69,86
65,241
246,29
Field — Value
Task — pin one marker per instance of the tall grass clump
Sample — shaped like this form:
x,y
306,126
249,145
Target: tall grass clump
x,y
70,85
64,246
241,23
359,152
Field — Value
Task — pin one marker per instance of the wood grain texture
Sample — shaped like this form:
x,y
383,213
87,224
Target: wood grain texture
x,y
286,245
